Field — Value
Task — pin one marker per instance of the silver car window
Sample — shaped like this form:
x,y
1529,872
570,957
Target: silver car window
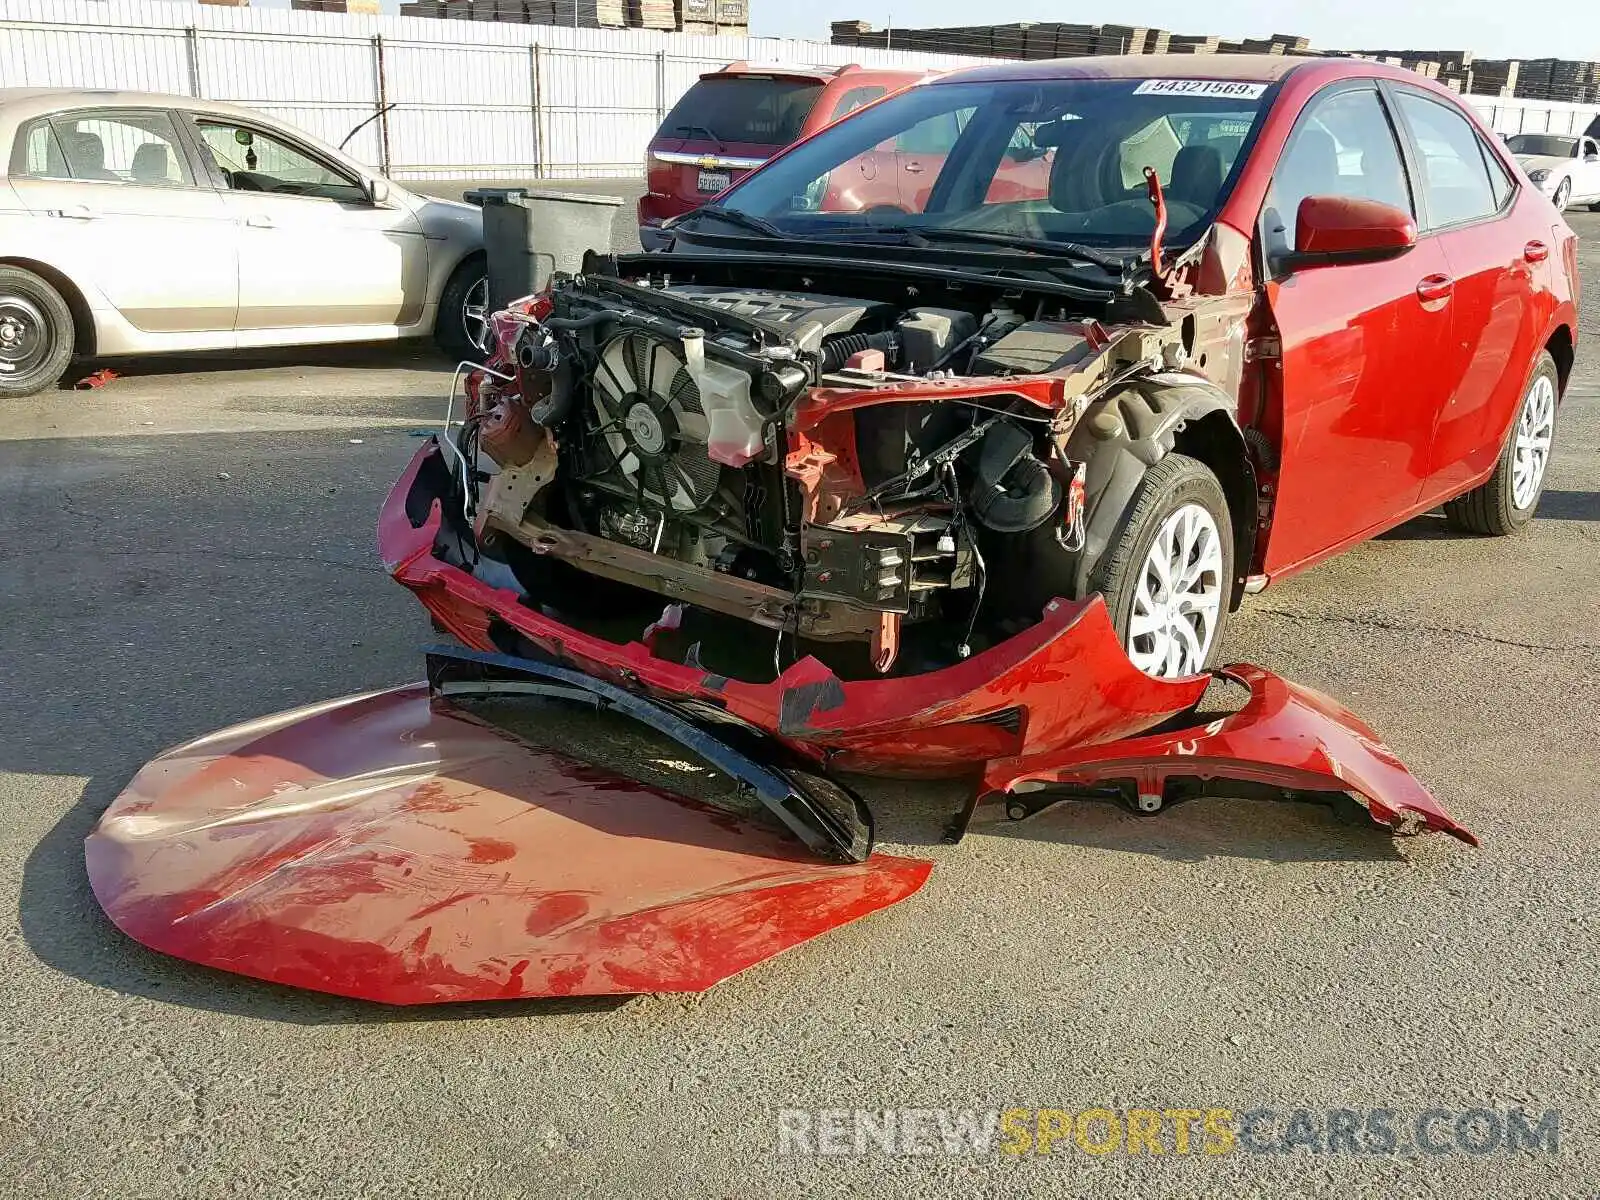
x,y
116,145
252,160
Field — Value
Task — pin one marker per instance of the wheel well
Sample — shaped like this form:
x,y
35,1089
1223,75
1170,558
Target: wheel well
x,y
479,255
82,318
1561,349
1215,440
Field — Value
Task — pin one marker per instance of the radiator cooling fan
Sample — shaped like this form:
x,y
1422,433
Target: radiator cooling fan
x,y
647,406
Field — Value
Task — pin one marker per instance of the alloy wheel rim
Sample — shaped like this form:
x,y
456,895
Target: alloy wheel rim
x,y
1534,436
475,314
1563,193
1177,601
24,335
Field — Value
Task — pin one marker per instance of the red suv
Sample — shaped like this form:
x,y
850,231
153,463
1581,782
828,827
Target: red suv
x,y
732,120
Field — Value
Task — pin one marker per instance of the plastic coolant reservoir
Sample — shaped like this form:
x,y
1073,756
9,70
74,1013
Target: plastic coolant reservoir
x,y
735,426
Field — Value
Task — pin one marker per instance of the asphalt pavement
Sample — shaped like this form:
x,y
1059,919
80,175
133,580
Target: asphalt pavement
x,y
193,545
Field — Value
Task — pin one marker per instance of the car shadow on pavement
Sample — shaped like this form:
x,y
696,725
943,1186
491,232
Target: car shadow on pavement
x,y
1569,506
1553,506
413,354
1209,828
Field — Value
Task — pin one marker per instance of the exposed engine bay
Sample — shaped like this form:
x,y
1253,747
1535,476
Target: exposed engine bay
x,y
857,473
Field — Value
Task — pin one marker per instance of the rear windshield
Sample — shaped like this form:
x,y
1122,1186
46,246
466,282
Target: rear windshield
x,y
743,108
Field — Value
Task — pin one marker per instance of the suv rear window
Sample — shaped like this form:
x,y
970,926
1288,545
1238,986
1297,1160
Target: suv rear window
x,y
743,108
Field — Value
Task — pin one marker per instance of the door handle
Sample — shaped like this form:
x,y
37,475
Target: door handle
x,y
259,222
1536,251
1436,289
914,168
75,212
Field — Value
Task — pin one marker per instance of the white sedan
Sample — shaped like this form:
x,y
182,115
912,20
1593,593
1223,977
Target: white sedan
x,y
1565,168
135,223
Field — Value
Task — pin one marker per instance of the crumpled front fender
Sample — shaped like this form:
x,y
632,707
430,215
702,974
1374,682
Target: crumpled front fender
x,y
1288,738
1064,681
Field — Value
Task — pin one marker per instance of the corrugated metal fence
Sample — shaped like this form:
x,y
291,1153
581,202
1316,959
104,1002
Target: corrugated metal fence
x,y
468,98
473,99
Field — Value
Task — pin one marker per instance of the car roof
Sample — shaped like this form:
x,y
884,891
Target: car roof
x,y
20,104
821,73
1261,68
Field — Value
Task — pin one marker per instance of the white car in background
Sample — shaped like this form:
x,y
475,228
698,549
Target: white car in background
x,y
135,223
1564,167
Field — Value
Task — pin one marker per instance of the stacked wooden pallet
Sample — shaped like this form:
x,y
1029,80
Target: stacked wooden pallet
x,y
652,14
1495,77
1029,40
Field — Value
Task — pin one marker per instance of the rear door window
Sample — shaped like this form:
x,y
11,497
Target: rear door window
x,y
753,109
1455,177
111,145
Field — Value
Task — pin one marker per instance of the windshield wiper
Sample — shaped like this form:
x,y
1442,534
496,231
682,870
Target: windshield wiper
x,y
733,217
933,233
709,132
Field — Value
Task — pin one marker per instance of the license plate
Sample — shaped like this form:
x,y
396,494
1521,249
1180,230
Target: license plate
x,y
714,181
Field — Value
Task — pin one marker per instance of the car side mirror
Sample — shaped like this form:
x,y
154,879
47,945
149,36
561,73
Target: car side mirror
x,y
1340,230
378,190
1591,157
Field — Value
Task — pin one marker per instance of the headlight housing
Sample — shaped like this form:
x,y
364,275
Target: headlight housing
x,y
1540,175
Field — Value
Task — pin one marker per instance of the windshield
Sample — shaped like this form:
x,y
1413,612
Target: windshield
x,y
1059,160
1544,145
750,109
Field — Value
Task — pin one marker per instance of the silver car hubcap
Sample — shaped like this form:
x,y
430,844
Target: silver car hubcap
x,y
1531,452
475,314
23,339
1563,194
1178,599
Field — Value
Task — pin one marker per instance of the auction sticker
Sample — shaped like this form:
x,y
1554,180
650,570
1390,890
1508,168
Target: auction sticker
x,y
1232,89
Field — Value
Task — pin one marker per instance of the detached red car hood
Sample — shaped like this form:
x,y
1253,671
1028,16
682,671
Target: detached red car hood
x,y
392,849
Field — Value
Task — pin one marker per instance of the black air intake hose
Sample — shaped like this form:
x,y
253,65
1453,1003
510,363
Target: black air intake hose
x,y
1014,492
839,350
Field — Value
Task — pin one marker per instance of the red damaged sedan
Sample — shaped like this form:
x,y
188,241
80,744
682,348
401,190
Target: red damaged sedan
x,y
881,465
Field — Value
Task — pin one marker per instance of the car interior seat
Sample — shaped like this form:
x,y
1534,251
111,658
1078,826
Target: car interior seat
x,y
86,154
152,163
1196,176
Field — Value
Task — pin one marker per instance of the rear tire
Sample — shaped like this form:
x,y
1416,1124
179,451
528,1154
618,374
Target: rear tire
x,y
461,328
1167,578
1505,503
36,334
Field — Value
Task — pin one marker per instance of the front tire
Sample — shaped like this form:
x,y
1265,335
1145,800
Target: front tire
x,y
36,334
1563,195
1505,503
461,329
1167,578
